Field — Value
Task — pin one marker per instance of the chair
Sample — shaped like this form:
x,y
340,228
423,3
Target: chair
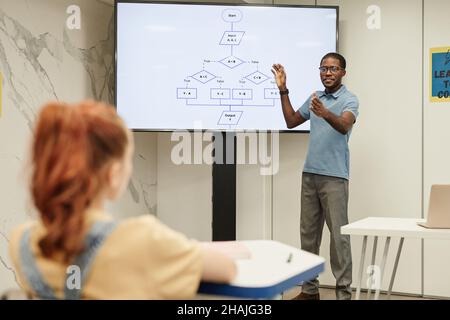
x,y
15,294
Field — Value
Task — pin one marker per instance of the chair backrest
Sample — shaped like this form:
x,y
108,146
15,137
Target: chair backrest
x,y
15,294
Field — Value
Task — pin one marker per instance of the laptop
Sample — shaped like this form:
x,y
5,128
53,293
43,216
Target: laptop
x,y
438,208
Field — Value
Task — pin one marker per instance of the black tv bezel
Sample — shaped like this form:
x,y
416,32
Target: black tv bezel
x,y
213,4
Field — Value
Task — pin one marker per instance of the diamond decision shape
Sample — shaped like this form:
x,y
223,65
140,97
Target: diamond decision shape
x,y
257,77
203,76
231,62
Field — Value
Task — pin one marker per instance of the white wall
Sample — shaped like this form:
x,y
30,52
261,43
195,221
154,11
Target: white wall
x,y
255,187
184,192
141,195
437,154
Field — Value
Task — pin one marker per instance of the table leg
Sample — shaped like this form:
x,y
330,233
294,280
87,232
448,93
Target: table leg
x,y
383,265
361,268
397,258
374,254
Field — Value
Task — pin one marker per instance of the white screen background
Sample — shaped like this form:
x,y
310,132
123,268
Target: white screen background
x,y
162,48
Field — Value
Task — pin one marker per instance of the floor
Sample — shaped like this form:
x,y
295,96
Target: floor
x,y
328,294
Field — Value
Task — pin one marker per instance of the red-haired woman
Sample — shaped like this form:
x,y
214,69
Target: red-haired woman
x,y
82,157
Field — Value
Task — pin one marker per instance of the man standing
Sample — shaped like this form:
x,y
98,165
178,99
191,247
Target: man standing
x,y
324,195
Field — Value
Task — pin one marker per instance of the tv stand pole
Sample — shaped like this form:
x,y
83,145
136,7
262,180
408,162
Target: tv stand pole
x,y
224,189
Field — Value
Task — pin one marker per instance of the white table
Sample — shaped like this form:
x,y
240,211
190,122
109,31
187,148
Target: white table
x,y
273,268
388,227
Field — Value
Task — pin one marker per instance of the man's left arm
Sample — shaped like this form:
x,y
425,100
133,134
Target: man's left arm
x,y
342,123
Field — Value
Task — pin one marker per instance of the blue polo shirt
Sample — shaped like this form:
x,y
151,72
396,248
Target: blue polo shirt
x,y
328,152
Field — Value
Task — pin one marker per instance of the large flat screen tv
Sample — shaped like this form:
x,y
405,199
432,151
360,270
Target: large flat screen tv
x,y
208,66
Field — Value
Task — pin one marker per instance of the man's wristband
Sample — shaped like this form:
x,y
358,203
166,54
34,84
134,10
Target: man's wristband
x,y
284,92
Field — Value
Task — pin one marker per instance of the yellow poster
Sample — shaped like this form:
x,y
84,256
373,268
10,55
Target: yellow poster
x,y
440,74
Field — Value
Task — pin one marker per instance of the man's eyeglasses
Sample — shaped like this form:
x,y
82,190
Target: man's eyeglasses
x,y
333,69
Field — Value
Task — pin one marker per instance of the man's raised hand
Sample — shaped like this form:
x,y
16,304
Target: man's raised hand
x,y
280,76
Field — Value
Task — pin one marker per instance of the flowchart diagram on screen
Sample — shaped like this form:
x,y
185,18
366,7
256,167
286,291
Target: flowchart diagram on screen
x,y
234,87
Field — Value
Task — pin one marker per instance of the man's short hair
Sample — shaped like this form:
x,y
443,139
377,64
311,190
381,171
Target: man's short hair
x,y
335,55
